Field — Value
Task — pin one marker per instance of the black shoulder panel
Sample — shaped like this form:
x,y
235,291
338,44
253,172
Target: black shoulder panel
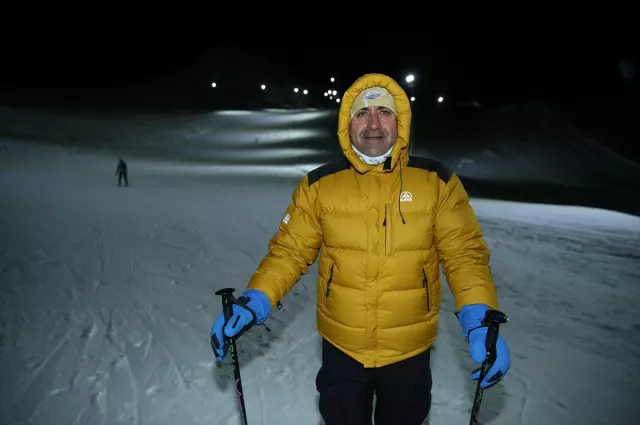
x,y
327,169
429,164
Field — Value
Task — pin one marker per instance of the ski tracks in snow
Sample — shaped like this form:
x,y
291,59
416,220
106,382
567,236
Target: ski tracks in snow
x,y
119,333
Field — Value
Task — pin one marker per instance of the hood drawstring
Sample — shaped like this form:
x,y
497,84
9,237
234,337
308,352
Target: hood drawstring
x,y
387,166
400,195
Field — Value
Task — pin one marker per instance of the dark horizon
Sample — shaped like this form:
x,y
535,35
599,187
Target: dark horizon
x,y
492,68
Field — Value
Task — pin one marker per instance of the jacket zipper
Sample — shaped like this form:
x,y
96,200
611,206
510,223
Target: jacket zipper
x,y
326,298
387,231
425,285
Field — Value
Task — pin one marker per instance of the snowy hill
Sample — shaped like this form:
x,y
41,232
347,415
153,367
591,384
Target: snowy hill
x,y
523,154
532,154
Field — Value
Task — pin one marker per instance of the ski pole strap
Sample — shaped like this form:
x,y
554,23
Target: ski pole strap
x,y
244,303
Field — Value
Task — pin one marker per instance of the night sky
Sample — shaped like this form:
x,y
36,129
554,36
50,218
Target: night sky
x,y
491,63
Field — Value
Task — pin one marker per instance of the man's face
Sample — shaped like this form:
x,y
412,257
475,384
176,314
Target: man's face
x,y
373,130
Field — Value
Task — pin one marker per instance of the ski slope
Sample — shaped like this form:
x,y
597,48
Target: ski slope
x,y
107,298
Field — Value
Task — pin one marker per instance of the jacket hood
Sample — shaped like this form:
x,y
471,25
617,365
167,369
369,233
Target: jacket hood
x,y
403,106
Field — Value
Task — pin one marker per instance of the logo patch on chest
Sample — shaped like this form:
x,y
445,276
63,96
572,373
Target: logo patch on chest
x,y
406,197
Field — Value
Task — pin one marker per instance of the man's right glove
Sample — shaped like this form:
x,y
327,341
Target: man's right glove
x,y
251,308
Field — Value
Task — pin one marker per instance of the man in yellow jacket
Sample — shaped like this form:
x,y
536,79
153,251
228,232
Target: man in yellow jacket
x,y
382,222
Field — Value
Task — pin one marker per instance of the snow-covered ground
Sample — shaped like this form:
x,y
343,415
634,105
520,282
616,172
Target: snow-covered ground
x,y
107,298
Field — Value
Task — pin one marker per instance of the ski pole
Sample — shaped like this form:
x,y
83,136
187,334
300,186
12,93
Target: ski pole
x,y
492,319
230,344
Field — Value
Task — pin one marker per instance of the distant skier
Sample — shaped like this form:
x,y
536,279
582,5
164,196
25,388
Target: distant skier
x,y
381,223
121,172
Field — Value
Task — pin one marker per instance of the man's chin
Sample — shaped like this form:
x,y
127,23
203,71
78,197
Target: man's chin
x,y
375,148
378,151
375,153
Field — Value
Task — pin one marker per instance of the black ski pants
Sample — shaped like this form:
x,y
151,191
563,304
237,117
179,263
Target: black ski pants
x,y
402,390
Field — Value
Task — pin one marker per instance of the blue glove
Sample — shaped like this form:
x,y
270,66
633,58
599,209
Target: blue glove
x,y
251,308
470,319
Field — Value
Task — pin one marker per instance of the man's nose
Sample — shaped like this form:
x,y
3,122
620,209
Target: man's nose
x,y
374,120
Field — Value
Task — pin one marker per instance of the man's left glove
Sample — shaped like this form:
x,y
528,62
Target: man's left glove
x,y
253,307
470,319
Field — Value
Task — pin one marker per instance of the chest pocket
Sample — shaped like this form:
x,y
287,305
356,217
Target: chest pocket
x,y
416,233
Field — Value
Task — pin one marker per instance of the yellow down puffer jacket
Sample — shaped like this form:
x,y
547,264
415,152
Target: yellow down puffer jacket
x,y
381,232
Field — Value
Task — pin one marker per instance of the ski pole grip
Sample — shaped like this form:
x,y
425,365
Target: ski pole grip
x,y
493,319
490,342
227,302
